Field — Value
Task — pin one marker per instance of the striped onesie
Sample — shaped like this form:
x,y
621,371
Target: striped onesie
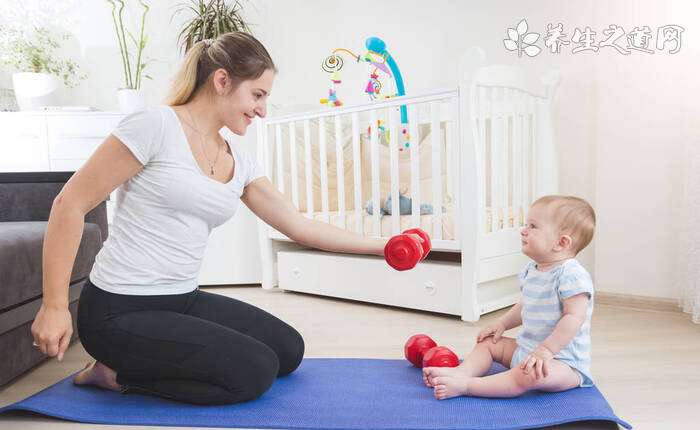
x,y
543,294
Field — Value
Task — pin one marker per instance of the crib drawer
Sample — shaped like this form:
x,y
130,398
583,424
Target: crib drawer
x,y
430,286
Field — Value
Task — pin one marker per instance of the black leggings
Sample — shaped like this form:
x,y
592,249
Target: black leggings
x,y
196,347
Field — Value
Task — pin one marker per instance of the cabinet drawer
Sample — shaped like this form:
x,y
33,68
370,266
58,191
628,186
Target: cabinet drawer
x,y
81,126
430,286
23,143
73,148
77,136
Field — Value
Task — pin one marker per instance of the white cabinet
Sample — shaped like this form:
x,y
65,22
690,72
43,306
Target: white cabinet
x,y
38,141
23,145
72,138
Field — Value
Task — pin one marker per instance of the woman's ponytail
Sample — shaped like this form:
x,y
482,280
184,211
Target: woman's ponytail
x,y
185,82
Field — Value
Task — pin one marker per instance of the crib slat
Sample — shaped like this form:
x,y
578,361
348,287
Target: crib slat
x,y
394,171
530,150
260,153
519,179
280,159
527,171
535,149
453,161
307,167
267,162
505,160
449,131
357,172
495,165
340,172
323,167
502,161
262,158
483,112
449,150
374,155
415,165
293,162
436,173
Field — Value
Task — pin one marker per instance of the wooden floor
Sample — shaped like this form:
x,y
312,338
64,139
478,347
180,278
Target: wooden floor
x,y
647,364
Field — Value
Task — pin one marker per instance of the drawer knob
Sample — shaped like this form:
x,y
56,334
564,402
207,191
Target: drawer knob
x,y
296,273
430,288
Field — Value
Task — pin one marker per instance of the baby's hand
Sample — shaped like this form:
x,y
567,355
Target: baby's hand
x,y
539,361
495,330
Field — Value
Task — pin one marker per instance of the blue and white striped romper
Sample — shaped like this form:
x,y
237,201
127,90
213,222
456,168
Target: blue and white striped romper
x,y
543,294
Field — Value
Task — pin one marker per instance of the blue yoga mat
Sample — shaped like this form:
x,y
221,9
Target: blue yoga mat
x,y
330,394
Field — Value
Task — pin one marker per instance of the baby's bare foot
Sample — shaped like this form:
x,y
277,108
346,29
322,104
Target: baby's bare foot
x,y
430,373
98,375
446,387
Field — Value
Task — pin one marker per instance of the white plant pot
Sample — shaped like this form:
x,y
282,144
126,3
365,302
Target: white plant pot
x,y
34,90
131,101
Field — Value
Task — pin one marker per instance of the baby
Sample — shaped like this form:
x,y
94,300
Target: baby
x,y
553,350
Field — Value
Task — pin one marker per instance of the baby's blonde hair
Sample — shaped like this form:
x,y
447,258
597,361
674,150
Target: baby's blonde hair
x,y
574,216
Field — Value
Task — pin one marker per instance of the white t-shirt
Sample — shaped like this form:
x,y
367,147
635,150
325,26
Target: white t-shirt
x,y
164,214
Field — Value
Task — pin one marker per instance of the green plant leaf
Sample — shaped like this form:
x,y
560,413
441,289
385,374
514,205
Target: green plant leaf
x,y
209,19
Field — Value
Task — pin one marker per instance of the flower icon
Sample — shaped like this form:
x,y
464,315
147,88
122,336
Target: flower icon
x,y
522,41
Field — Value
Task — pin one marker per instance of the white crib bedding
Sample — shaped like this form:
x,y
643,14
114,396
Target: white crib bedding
x,y
427,223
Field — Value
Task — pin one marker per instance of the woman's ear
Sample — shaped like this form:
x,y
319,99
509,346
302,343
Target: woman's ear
x,y
221,81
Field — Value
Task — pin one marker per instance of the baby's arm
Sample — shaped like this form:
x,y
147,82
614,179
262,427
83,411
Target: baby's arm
x,y
574,314
511,319
573,317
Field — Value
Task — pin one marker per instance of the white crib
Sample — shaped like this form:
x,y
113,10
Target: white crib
x,y
479,154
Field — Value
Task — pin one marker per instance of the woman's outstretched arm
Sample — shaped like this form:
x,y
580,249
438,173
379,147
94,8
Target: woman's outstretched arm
x,y
276,210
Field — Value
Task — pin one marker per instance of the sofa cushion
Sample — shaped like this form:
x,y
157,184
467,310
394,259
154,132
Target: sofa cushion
x,y
20,259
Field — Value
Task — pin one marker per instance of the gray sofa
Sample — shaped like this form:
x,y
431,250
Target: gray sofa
x,y
25,204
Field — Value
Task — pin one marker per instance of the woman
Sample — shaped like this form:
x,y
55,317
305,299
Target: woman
x,y
141,315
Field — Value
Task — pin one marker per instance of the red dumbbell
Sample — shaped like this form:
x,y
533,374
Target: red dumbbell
x,y
416,346
404,251
440,356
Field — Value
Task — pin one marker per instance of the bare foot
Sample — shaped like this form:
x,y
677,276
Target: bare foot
x,y
430,373
98,375
450,386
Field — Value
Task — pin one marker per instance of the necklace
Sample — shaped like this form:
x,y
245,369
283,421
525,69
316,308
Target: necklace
x,y
201,143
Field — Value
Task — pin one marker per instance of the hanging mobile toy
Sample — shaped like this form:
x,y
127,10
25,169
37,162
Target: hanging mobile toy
x,y
381,61
332,65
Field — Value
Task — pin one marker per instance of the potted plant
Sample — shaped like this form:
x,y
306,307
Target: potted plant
x,y
211,18
37,69
131,98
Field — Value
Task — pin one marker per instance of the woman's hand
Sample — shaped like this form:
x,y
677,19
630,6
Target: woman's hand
x,y
495,330
52,330
538,361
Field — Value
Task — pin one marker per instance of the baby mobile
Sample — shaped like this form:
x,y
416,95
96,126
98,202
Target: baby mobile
x,y
381,62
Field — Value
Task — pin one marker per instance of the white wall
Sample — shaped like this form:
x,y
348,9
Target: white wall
x,y
643,122
620,121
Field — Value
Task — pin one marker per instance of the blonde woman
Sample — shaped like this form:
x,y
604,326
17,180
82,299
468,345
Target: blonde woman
x,y
141,315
